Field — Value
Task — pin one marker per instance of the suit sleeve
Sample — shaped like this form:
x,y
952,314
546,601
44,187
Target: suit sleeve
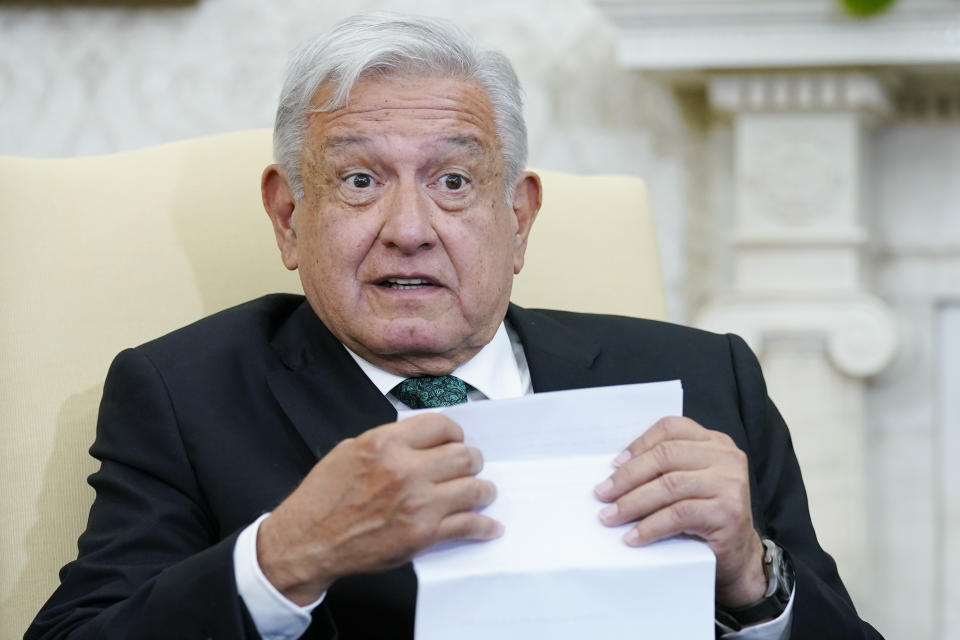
x,y
822,608
152,562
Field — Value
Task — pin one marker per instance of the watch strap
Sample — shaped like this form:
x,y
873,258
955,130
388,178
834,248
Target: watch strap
x,y
780,581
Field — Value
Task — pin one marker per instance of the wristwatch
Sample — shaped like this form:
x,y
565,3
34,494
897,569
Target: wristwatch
x,y
780,580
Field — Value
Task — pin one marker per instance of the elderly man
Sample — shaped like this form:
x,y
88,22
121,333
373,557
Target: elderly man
x,y
254,479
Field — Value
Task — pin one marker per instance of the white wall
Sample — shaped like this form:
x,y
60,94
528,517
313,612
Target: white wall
x,y
949,471
914,428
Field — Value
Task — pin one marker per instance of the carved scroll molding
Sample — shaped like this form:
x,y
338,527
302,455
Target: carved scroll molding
x,y
860,334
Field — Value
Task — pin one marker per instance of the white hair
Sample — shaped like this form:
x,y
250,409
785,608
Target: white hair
x,y
388,44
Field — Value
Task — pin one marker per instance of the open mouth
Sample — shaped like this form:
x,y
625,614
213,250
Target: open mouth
x,y
405,283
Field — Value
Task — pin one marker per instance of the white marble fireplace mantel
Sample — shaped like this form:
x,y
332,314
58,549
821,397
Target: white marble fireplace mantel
x,y
670,35
804,106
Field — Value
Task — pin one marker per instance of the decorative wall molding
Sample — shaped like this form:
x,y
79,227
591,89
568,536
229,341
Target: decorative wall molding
x,y
796,229
811,90
930,97
792,177
860,333
724,34
796,250
798,143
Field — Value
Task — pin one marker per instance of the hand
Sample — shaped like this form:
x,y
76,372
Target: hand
x,y
679,477
372,503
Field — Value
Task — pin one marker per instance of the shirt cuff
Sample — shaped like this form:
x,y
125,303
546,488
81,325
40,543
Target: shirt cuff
x,y
776,629
275,617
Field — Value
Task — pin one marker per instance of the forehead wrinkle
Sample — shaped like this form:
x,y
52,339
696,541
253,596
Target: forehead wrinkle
x,y
339,142
455,143
389,114
390,105
470,107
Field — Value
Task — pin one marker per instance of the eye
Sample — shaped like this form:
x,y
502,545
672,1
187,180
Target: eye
x,y
453,181
360,180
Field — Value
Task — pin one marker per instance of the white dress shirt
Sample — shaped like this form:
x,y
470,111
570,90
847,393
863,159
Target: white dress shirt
x,y
498,371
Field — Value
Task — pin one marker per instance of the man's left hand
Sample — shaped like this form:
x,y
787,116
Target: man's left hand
x,y
679,477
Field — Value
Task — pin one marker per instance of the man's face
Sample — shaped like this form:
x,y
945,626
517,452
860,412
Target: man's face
x,y
405,244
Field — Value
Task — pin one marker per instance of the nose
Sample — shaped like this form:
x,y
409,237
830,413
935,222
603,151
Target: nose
x,y
408,219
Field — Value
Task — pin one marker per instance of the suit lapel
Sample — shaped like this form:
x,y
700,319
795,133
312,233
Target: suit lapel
x,y
328,398
321,389
559,357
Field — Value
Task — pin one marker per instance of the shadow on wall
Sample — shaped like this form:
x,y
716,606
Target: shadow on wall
x,y
62,507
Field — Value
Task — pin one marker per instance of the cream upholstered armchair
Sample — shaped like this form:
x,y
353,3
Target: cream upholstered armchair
x,y
103,253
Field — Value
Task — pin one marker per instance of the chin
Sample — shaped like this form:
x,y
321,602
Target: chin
x,y
421,338
416,342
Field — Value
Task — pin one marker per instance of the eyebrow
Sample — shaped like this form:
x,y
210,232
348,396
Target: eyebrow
x,y
470,143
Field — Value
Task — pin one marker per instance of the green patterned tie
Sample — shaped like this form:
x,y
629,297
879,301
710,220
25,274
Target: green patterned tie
x,y
428,392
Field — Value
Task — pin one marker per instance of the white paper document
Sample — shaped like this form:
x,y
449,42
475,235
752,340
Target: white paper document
x,y
557,572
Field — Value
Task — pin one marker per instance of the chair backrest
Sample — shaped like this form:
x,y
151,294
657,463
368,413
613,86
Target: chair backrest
x,y
102,253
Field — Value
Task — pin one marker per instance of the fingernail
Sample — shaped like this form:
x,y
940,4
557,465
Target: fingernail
x,y
620,459
631,537
608,513
498,530
604,488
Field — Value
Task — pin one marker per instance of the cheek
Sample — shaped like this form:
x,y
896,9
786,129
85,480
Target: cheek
x,y
339,244
490,269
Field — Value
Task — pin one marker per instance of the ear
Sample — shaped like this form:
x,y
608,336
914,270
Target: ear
x,y
527,196
279,202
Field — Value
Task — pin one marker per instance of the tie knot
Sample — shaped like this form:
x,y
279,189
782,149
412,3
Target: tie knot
x,y
428,392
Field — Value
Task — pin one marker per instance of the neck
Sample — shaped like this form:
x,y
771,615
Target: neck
x,y
416,365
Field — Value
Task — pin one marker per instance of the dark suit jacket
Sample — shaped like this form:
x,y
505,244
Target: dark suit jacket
x,y
206,428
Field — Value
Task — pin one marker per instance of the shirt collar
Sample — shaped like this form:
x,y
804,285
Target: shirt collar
x,y
493,371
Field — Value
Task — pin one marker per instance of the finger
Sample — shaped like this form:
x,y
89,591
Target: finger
x,y
468,525
451,460
658,494
428,430
662,458
463,494
692,517
666,429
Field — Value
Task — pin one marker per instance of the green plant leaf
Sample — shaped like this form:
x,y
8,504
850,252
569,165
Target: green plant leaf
x,y
866,7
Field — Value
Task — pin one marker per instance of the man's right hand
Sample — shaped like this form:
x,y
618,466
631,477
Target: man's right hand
x,y
373,503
